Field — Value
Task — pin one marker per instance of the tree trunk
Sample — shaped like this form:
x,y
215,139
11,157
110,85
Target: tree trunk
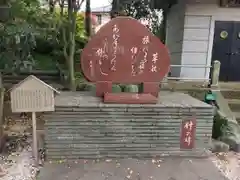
x,y
68,35
1,110
51,6
163,26
88,23
115,8
72,28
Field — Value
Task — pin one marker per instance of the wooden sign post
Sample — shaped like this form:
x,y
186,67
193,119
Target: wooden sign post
x,y
32,95
34,131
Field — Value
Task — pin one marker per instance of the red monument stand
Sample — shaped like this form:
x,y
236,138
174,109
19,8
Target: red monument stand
x,y
125,51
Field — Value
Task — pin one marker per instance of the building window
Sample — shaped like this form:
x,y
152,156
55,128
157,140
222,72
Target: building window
x,y
99,18
230,3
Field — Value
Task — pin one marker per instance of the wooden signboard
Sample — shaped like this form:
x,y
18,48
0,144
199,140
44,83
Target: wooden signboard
x,y
32,95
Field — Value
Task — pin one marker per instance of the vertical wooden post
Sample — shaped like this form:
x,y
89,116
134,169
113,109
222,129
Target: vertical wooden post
x,y
34,127
216,72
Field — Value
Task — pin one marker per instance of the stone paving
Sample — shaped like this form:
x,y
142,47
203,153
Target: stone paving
x,y
132,169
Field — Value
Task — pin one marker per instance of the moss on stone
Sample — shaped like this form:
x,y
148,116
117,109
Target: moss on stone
x,y
89,87
220,124
116,88
131,88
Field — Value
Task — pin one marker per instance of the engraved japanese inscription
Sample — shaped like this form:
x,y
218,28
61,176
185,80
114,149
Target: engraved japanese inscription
x,y
188,133
124,51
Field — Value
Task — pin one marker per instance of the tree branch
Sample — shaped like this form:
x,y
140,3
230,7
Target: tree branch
x,y
61,4
77,4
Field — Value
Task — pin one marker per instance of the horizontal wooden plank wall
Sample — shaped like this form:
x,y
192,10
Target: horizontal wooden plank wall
x,y
104,131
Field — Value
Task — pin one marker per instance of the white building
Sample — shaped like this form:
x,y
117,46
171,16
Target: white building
x,y
102,14
201,31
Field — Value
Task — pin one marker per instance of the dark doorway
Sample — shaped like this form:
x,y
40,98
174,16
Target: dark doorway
x,y
226,49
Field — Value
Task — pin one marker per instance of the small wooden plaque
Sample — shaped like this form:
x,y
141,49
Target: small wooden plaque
x,y
188,133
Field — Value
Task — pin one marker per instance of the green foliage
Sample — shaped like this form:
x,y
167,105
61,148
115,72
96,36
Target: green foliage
x,y
16,43
32,34
146,9
138,9
80,35
131,88
162,4
141,8
19,34
44,61
220,123
116,88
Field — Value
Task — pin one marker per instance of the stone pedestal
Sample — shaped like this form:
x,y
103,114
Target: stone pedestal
x,y
84,127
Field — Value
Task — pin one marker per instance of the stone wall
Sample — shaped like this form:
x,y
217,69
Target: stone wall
x,y
83,127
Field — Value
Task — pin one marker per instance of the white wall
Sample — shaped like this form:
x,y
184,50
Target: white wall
x,y
195,45
105,19
200,17
174,36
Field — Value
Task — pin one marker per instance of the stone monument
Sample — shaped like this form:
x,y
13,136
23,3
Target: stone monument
x,y
117,54
145,124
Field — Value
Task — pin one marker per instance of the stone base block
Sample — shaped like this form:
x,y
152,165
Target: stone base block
x,y
82,126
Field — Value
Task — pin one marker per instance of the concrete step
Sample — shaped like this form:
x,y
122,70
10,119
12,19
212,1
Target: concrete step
x,y
231,94
237,115
49,77
229,85
34,72
20,77
234,104
15,81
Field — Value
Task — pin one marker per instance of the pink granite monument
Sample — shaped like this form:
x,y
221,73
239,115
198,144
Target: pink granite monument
x,y
125,51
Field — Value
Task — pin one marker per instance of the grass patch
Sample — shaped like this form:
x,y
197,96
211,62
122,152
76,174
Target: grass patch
x,y
44,62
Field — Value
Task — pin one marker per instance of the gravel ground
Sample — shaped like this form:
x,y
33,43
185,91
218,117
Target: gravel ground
x,y
18,165
228,164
